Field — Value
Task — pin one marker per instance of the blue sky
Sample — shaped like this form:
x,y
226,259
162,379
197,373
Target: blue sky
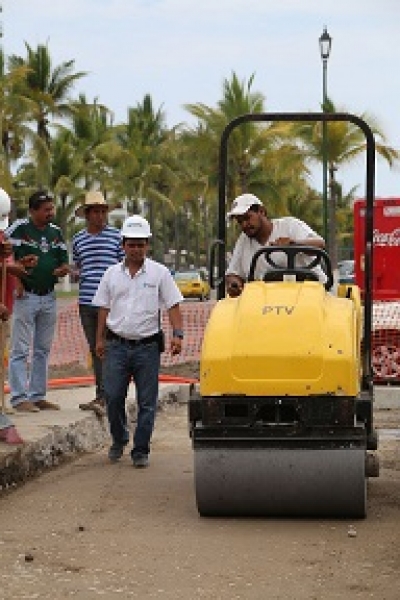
x,y
180,52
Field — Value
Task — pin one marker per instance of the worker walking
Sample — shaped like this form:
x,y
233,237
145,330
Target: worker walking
x,y
130,297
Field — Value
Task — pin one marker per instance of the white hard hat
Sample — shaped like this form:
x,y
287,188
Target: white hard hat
x,y
243,203
5,207
135,227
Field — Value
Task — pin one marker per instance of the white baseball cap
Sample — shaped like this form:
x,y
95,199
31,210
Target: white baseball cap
x,y
242,204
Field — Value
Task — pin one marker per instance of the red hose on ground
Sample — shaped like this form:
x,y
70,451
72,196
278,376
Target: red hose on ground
x,y
89,380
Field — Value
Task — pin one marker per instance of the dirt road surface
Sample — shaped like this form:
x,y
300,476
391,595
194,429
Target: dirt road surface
x,y
91,529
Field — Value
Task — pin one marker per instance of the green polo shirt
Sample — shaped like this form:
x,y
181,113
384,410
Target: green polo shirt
x,y
47,244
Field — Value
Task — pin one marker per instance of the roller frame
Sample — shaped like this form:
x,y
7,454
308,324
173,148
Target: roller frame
x,y
315,465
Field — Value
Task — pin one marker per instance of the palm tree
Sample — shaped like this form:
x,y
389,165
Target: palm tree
x,y
65,179
46,87
262,157
47,91
345,142
237,99
140,167
95,148
14,112
184,183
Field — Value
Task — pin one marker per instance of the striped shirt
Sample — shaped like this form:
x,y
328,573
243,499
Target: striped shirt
x,y
93,254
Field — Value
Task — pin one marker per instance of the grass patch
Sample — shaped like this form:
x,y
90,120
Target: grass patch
x,y
64,294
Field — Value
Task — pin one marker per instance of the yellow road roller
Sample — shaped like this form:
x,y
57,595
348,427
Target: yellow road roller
x,y
282,424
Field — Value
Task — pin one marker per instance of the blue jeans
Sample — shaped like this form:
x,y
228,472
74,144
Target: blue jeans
x,y
88,315
121,363
34,320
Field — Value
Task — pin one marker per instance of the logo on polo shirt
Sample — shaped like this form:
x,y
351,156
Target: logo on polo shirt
x,y
44,245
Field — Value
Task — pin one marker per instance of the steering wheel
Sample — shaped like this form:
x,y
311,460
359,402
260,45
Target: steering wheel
x,y
318,257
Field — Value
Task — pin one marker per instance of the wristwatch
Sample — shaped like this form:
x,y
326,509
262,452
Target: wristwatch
x,y
178,333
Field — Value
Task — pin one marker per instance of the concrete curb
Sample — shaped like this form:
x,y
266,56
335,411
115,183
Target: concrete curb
x,y
55,437
387,397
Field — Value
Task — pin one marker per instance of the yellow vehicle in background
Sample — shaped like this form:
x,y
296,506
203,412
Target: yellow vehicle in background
x,y
192,284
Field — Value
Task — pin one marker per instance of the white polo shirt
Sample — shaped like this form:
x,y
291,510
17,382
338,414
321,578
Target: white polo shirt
x,y
285,227
135,302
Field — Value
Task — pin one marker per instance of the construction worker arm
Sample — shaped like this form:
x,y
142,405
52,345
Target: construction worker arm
x,y
101,331
175,317
235,275
315,242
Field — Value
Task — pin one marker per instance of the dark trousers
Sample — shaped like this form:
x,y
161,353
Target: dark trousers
x,y
122,362
88,317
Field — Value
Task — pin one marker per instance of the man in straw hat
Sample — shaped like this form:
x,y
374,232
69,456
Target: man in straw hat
x,y
94,249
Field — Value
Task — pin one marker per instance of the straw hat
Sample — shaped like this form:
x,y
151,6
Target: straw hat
x,y
92,198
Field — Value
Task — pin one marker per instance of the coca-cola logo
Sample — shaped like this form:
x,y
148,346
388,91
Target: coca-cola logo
x,y
386,239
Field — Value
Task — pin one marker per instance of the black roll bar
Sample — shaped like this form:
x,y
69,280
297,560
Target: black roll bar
x,y
369,198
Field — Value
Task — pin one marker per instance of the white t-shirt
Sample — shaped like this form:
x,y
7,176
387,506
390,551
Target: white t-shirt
x,y
135,302
285,227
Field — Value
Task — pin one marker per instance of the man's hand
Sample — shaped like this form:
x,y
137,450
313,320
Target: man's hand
x,y
100,349
19,289
4,314
29,261
282,241
234,286
17,269
61,271
176,345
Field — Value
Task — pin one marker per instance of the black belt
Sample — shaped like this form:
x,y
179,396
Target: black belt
x,y
38,292
110,335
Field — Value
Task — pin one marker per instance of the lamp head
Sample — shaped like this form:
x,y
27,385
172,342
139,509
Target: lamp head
x,y
325,43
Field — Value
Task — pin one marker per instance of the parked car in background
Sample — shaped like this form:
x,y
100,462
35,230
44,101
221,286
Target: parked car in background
x,y
193,284
346,271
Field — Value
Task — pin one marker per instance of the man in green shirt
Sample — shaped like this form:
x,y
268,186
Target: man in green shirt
x,y
34,313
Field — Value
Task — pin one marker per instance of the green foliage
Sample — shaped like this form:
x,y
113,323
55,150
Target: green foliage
x,y
170,175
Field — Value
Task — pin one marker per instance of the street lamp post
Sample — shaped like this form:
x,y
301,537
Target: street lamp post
x,y
333,189
325,42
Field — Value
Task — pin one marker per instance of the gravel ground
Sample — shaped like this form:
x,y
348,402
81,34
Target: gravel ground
x,y
92,529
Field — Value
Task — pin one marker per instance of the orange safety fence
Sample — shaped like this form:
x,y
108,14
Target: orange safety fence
x,y
70,347
385,346
70,350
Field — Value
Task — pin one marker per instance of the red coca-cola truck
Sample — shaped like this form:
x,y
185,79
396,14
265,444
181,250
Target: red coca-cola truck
x,y
385,335
386,247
